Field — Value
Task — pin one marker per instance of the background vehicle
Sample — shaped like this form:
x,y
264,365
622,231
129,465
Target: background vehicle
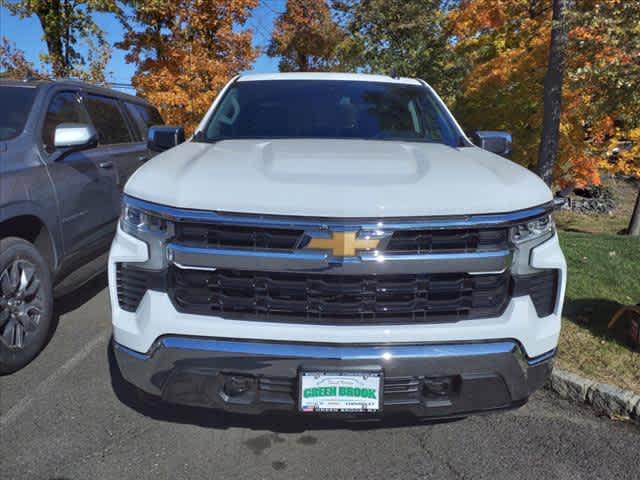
x,y
66,151
333,243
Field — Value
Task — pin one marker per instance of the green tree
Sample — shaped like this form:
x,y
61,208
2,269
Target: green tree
x,y
306,38
606,69
66,23
407,37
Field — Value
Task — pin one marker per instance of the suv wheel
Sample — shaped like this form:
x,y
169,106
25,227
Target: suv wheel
x,y
26,303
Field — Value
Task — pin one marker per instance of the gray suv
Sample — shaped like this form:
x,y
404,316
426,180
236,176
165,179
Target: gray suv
x,y
66,151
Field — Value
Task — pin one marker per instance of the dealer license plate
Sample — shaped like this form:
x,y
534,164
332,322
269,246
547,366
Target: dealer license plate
x,y
340,391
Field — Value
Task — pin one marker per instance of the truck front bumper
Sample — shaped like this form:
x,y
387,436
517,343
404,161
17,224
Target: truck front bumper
x,y
425,380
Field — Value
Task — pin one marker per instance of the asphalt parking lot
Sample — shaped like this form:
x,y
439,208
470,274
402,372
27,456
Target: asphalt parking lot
x,y
69,416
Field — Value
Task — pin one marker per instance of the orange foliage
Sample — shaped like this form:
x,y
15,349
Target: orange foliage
x,y
306,37
186,52
13,63
506,44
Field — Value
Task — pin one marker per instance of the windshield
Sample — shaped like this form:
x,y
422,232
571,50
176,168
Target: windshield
x,y
16,103
330,109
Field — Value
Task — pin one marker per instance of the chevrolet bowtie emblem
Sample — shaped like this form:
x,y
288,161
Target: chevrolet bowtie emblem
x,y
343,244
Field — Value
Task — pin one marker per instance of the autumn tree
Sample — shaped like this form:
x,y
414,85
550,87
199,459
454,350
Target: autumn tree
x,y
13,63
406,37
604,71
504,46
306,38
66,24
185,51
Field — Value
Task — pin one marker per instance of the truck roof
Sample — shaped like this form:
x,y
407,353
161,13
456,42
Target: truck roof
x,y
72,83
362,77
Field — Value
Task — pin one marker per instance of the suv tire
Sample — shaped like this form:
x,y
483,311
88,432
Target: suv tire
x,y
26,303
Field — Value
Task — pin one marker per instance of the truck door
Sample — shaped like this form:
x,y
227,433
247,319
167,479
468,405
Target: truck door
x,y
84,181
124,152
141,117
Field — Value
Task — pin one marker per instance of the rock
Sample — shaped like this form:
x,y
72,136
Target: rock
x,y
612,400
593,199
570,386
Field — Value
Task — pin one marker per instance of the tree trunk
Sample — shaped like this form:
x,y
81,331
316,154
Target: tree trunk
x,y
553,94
634,224
50,16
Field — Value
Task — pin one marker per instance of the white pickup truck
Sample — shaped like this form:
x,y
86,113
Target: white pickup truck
x,y
335,244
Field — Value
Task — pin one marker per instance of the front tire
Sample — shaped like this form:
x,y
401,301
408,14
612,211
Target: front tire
x,y
26,303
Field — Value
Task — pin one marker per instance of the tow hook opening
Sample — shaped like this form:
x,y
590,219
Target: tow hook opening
x,y
235,386
439,387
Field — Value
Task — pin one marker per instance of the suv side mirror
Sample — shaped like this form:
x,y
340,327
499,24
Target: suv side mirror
x,y
495,142
161,138
75,137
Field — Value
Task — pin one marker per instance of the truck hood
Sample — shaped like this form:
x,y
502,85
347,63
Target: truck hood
x,y
337,178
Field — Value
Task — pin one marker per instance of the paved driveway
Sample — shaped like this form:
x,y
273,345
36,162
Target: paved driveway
x,y
69,416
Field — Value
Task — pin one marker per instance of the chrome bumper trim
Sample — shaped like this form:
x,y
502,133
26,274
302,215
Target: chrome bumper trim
x,y
336,352
316,261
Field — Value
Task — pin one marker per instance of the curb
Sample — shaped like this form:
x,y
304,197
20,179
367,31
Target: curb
x,y
608,399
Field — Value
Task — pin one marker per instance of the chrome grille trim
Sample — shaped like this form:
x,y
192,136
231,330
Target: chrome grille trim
x,y
365,263
345,224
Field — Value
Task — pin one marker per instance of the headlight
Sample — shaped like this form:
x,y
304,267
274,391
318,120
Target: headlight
x,y
538,228
140,223
150,227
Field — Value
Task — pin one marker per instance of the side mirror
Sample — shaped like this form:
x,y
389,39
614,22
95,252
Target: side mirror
x,y
495,142
164,137
74,137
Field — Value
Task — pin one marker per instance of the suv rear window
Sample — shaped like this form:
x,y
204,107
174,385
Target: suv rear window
x,y
16,104
144,116
108,120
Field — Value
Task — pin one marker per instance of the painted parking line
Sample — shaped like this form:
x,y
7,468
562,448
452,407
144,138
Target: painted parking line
x,y
21,406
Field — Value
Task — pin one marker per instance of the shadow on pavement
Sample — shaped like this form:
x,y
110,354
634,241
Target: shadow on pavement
x,y
75,299
152,407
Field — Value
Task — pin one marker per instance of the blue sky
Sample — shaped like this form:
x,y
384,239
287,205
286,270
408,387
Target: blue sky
x,y
27,35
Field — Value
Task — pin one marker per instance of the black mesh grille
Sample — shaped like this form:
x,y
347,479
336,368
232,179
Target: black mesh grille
x,y
231,236
131,284
338,299
405,241
429,241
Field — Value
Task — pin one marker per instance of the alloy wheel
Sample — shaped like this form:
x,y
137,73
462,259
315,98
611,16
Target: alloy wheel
x,y
21,303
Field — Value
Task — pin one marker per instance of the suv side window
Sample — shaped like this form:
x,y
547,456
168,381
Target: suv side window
x,y
108,120
65,107
144,116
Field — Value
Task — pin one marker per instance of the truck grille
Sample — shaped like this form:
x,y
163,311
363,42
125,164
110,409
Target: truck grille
x,y
213,235
339,299
449,241
231,236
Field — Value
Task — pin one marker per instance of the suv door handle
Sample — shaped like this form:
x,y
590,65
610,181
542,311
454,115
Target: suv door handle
x,y
107,164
